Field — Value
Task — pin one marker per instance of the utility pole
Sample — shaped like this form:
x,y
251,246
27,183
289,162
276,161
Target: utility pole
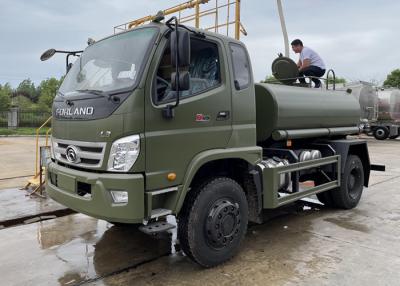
x,y
283,25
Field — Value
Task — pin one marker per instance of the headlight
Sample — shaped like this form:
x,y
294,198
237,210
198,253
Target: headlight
x,y
124,153
119,197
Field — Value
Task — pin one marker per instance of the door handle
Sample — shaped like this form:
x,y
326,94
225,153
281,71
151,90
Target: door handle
x,y
223,115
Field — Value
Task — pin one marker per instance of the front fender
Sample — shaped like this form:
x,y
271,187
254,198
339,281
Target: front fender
x,y
252,155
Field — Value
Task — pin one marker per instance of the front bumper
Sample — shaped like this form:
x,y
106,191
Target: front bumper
x,y
63,185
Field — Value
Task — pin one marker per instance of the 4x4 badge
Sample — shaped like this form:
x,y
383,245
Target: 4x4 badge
x,y
105,133
202,118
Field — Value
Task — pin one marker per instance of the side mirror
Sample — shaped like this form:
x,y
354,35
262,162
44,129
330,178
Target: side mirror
x,y
180,59
180,48
47,54
183,81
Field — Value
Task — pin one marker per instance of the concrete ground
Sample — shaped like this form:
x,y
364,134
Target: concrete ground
x,y
310,247
17,160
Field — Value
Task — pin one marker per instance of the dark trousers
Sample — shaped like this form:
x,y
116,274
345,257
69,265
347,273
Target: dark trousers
x,y
313,71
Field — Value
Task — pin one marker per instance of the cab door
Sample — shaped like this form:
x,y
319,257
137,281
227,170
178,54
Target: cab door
x,y
202,120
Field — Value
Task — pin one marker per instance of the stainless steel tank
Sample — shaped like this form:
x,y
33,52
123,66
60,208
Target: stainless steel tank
x,y
367,97
395,105
286,112
389,105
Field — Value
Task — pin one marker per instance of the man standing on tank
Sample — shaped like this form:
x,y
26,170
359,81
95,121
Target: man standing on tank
x,y
309,64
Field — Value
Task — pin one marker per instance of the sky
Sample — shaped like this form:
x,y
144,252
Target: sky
x,y
358,39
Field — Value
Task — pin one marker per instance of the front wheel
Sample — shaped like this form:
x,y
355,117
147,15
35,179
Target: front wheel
x,y
213,221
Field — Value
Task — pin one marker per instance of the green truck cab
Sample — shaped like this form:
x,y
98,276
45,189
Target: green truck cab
x,y
160,120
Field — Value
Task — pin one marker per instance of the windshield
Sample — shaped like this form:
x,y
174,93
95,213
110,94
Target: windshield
x,y
111,64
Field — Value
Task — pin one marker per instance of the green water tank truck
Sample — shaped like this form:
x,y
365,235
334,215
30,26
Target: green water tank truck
x,y
161,120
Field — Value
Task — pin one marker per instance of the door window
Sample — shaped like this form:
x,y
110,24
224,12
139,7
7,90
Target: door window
x,y
204,72
241,66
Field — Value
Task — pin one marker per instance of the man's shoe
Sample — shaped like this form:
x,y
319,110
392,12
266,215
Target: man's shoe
x,y
317,85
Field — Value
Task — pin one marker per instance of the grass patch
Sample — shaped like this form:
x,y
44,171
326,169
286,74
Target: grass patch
x,y
22,131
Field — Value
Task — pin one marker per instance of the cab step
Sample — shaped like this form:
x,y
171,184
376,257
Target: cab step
x,y
156,227
156,213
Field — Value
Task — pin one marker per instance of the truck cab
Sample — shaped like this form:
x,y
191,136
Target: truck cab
x,y
129,146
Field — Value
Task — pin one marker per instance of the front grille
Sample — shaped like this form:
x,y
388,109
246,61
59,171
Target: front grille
x,y
88,154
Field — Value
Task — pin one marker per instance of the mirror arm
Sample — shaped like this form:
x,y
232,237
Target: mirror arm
x,y
69,52
67,63
177,62
74,53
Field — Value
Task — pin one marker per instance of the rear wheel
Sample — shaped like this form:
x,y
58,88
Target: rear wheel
x,y
352,184
348,195
213,221
381,133
394,137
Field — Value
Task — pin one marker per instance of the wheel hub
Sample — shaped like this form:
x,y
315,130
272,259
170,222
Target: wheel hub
x,y
354,182
223,223
380,132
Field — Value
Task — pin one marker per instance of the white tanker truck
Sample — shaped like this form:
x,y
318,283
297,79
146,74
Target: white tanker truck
x,y
380,109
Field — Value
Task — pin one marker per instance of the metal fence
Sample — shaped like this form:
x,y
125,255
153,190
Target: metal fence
x,y
22,118
3,118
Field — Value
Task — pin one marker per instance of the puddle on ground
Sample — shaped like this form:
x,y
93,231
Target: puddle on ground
x,y
269,251
76,248
347,224
89,248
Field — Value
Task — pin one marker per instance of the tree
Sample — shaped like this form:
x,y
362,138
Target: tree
x,y
27,89
5,97
337,80
393,79
48,89
23,102
270,79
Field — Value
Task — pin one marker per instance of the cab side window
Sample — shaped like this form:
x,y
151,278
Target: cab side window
x,y
241,66
204,72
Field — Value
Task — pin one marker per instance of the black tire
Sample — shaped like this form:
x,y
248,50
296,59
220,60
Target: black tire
x,y
213,221
352,184
381,133
394,137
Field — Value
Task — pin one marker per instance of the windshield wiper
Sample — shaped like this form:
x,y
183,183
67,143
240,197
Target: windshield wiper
x,y
93,91
100,93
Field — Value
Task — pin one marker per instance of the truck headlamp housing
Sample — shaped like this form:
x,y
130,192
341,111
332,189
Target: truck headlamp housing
x,y
123,153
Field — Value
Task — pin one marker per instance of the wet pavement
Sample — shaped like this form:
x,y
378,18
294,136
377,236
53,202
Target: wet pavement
x,y
72,249
16,205
309,247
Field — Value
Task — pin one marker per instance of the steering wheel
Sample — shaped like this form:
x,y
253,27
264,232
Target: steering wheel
x,y
162,85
